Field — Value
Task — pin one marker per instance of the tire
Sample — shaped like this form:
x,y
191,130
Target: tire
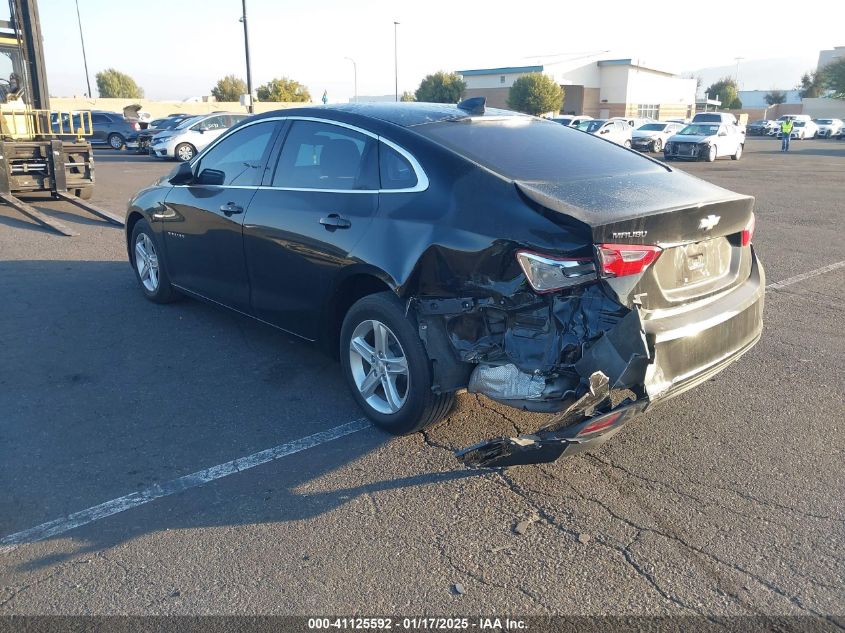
x,y
414,405
116,141
158,290
627,144
738,154
711,154
184,152
85,193
657,146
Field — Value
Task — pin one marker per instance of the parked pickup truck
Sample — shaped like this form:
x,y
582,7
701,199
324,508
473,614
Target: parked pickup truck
x,y
722,117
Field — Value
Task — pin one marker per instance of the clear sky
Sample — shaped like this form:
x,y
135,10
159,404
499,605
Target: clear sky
x,y
178,48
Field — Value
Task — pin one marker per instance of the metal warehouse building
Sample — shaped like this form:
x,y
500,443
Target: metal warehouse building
x,y
611,87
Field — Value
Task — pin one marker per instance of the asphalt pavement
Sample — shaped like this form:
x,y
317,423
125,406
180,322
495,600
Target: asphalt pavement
x,y
726,501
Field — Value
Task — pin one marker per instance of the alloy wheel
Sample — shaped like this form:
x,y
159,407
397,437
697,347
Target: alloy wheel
x,y
146,262
115,141
379,366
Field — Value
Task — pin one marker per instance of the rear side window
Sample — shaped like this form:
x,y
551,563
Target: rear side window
x,y
100,119
529,149
328,157
241,155
395,170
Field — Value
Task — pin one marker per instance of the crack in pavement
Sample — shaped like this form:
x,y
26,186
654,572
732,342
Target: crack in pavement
x,y
16,591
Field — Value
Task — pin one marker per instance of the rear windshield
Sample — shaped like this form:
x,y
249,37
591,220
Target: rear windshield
x,y
523,148
653,127
707,118
825,121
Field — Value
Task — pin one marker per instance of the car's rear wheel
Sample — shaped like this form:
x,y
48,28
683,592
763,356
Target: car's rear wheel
x,y
150,268
627,144
185,152
738,154
387,367
116,141
711,154
658,146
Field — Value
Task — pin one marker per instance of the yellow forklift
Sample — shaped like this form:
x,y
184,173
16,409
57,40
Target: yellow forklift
x,y
40,150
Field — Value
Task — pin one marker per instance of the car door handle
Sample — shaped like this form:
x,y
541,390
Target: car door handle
x,y
230,208
334,221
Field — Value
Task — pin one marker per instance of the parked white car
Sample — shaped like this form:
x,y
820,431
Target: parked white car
x,y
726,118
651,137
191,136
616,130
705,141
571,120
829,128
801,130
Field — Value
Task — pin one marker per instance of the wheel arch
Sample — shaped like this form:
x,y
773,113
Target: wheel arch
x,y
354,284
131,220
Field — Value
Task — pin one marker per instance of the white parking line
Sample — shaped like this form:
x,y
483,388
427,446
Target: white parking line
x,y
186,482
794,280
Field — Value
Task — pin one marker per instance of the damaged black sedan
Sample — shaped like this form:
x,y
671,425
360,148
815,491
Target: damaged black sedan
x,y
435,248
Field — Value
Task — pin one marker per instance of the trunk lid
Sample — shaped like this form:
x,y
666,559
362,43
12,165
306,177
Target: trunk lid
x,y
697,225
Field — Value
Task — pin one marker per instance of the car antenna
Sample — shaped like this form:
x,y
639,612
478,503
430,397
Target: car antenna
x,y
473,106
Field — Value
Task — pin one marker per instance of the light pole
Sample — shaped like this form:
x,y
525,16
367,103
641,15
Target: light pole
x,y
395,61
355,75
248,69
84,58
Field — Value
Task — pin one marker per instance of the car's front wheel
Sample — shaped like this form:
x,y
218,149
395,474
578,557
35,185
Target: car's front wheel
x,y
627,144
711,154
738,153
185,152
150,268
387,367
658,146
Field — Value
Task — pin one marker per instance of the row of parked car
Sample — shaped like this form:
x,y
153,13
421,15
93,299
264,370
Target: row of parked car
x,y
708,136
179,136
804,127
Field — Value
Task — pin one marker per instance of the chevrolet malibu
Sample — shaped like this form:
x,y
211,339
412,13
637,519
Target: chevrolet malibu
x,y
434,248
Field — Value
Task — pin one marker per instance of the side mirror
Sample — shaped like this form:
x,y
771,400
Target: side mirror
x,y
604,131
182,175
211,177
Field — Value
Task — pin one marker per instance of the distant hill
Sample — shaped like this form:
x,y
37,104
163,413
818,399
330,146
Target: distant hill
x,y
759,74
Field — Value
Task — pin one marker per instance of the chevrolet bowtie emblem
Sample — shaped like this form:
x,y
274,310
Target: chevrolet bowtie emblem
x,y
709,222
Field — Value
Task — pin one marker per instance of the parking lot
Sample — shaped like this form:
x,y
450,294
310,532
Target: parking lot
x,y
120,421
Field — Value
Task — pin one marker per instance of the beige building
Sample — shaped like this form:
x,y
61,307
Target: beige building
x,y
606,88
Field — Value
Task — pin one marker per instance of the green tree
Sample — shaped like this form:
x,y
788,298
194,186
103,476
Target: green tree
x,y
535,93
407,96
775,97
229,88
834,77
283,89
725,90
112,83
441,88
812,84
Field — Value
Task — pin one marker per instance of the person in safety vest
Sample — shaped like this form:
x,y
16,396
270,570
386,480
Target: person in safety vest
x,y
786,132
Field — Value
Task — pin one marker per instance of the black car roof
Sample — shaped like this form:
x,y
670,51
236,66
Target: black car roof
x,y
404,114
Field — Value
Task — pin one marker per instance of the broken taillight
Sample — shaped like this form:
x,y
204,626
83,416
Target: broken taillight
x,y
618,260
547,274
748,231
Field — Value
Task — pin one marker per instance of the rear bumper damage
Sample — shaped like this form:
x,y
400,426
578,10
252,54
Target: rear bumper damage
x,y
583,356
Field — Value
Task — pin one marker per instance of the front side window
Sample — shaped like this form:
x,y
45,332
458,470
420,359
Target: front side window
x,y
240,157
212,123
329,157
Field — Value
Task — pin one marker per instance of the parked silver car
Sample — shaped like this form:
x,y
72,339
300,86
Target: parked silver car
x,y
651,137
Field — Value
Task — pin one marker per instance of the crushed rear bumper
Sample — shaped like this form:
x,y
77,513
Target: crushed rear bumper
x,y
680,350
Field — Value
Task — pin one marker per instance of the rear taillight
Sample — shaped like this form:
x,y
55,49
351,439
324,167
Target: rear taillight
x,y
547,274
619,260
748,231
136,125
